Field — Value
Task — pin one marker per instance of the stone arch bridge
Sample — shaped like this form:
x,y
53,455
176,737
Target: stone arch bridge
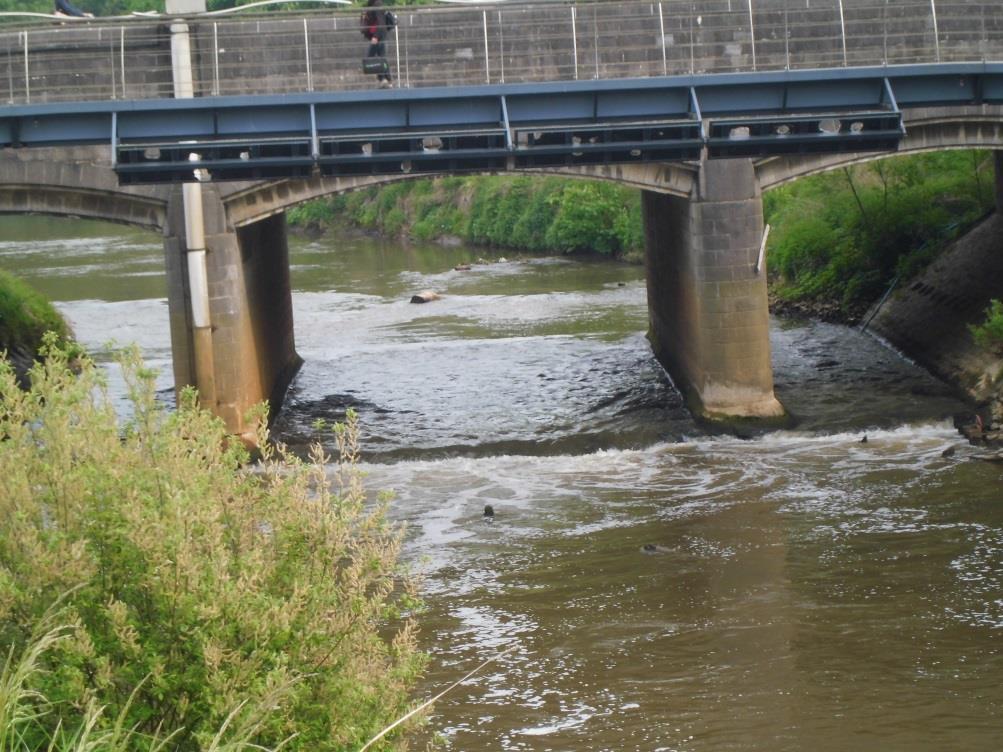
x,y
701,144
251,307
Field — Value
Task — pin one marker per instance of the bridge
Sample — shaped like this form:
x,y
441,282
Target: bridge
x,y
207,127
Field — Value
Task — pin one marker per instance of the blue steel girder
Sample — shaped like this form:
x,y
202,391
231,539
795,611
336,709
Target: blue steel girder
x,y
496,127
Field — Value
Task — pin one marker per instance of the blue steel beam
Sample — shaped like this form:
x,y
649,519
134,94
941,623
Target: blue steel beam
x,y
498,126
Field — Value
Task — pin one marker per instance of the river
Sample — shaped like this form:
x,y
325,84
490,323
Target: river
x,y
663,588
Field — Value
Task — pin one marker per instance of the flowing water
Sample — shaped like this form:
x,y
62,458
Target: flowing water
x,y
661,588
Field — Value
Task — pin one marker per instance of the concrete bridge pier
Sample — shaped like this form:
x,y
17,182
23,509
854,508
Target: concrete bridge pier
x,y
708,310
245,353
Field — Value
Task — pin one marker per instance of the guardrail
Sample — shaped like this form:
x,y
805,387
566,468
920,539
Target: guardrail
x,y
501,43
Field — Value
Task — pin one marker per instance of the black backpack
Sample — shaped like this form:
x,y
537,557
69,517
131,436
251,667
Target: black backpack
x,y
391,20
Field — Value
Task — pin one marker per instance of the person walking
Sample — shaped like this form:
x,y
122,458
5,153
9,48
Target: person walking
x,y
66,8
374,28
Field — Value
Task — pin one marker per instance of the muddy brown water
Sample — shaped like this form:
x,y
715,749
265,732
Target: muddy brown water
x,y
664,589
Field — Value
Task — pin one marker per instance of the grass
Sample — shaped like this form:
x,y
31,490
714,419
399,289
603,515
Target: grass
x,y
25,315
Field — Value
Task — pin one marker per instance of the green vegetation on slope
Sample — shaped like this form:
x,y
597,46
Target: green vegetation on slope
x,y
843,236
193,589
25,316
989,334
528,213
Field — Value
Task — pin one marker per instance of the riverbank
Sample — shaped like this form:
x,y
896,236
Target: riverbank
x,y
939,317
25,317
520,213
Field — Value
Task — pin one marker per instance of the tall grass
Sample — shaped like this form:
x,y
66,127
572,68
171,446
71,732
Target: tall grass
x,y
217,604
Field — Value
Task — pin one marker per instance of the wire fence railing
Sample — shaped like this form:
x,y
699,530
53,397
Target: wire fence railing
x,y
499,43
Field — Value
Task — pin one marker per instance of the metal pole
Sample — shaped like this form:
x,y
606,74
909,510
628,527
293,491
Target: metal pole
x,y
884,31
692,39
936,33
842,26
661,29
215,58
595,40
487,64
574,40
121,53
306,48
397,51
27,81
752,35
787,41
111,58
407,59
501,46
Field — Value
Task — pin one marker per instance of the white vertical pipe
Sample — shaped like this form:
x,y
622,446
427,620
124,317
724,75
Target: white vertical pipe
x,y
752,35
661,29
191,194
761,261
198,277
842,26
306,52
574,40
936,33
487,63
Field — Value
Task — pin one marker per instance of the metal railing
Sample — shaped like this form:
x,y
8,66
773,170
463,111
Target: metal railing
x,y
509,43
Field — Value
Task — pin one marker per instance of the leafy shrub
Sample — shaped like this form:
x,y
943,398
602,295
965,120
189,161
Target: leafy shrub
x,y
587,218
843,236
196,587
989,334
311,214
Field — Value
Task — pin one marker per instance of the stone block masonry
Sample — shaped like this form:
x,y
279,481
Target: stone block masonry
x,y
708,310
252,351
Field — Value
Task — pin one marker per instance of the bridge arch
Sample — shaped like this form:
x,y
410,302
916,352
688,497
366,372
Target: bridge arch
x,y
77,183
251,203
927,129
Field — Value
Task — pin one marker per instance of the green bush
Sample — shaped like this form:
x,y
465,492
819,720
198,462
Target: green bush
x,y
989,334
196,586
586,219
314,214
843,236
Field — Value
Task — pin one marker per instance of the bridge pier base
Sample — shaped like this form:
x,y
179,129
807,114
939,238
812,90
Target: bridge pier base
x,y
708,309
248,353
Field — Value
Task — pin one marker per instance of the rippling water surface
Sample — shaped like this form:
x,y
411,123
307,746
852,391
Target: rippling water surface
x,y
664,589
